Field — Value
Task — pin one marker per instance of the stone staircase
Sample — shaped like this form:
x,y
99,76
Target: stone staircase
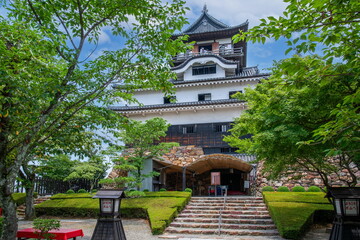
x,y
20,210
241,216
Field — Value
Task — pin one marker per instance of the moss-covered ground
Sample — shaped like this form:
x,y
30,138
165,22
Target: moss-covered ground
x,y
294,212
159,207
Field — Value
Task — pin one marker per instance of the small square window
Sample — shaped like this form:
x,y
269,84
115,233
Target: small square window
x,y
188,129
231,93
221,128
170,99
204,97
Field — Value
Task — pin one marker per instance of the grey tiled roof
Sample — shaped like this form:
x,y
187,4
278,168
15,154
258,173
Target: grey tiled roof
x,y
170,105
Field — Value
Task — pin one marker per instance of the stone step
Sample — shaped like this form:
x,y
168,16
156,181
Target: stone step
x,y
228,220
223,225
207,231
240,216
240,207
227,200
202,211
226,204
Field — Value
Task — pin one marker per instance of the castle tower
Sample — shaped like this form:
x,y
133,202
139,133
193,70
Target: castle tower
x,y
202,109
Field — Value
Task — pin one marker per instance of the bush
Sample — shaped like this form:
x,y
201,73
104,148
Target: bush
x,y
146,190
70,191
94,190
298,189
283,189
314,189
82,191
188,190
20,198
162,190
267,189
135,194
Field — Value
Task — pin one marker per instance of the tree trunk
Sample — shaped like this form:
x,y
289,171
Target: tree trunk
x,y
10,220
29,202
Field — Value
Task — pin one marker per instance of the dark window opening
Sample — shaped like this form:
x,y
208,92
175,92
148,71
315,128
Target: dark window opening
x,y
206,69
221,128
188,129
206,47
204,97
170,99
231,93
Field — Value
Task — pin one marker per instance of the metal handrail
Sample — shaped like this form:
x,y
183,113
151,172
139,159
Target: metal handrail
x,y
220,213
221,52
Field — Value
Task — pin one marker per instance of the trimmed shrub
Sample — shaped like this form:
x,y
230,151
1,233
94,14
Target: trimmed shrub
x,y
283,189
146,190
298,189
135,194
314,189
94,190
82,191
70,191
188,190
267,189
20,198
162,190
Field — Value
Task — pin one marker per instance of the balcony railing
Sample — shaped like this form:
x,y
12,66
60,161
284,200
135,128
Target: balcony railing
x,y
224,52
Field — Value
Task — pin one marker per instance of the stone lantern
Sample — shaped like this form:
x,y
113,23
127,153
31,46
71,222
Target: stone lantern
x,y
109,225
346,202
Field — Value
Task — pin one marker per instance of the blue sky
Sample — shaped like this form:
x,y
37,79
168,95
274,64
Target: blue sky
x,y
234,12
231,12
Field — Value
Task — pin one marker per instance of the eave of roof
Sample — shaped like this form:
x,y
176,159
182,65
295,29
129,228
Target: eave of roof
x,y
176,105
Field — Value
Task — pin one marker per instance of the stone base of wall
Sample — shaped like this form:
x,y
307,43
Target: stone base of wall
x,y
303,178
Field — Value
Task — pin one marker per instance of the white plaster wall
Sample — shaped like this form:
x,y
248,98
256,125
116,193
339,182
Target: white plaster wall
x,y
189,117
218,92
190,94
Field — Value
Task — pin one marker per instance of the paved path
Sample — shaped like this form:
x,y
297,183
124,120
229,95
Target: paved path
x,y
138,229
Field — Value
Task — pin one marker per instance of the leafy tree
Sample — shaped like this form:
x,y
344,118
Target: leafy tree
x,y
142,143
332,27
92,170
48,77
55,167
283,112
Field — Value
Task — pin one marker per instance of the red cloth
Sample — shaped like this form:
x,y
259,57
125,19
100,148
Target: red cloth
x,y
61,234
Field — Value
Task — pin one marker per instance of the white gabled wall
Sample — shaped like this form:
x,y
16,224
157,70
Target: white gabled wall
x,y
220,72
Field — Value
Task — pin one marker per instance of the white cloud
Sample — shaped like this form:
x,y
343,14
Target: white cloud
x,y
104,37
234,12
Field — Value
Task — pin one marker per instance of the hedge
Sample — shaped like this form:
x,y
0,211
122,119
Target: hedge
x,y
293,213
159,207
20,198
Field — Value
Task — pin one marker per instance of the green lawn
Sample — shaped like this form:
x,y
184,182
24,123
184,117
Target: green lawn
x,y
159,207
294,212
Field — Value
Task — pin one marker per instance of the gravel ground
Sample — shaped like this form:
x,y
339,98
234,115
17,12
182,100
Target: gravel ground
x,y
138,229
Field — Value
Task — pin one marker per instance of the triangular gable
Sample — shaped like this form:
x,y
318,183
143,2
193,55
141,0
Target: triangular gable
x,y
206,23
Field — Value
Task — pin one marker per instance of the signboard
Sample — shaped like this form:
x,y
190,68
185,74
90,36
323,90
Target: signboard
x,y
106,205
246,184
351,207
215,178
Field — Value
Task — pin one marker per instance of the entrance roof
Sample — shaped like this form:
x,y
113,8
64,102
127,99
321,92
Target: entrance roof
x,y
218,161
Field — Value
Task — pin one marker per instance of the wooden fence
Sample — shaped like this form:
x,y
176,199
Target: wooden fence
x,y
47,186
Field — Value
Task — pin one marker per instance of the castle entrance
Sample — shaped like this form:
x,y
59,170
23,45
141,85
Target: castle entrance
x,y
232,171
